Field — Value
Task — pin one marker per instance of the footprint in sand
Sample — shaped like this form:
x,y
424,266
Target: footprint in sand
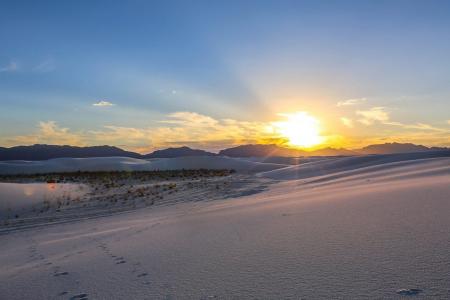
x,y
209,297
60,274
409,292
142,275
79,297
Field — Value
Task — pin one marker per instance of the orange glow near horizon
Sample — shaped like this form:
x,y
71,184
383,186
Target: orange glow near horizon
x,y
300,128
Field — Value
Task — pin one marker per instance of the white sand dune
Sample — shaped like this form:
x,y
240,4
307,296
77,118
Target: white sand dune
x,y
213,162
340,164
131,164
71,165
375,228
286,160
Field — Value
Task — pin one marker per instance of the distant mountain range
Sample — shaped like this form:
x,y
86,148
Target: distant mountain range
x,y
275,150
44,152
177,152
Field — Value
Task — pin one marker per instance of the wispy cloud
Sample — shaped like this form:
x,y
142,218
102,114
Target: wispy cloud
x,y
347,122
50,133
350,102
183,128
382,116
45,66
12,66
198,130
375,114
417,126
179,128
103,103
189,119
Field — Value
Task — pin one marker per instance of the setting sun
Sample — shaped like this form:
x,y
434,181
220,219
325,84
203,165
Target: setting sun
x,y
300,128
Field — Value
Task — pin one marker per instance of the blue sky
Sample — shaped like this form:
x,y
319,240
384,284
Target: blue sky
x,y
245,61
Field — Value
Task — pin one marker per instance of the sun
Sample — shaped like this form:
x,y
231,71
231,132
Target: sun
x,y
300,128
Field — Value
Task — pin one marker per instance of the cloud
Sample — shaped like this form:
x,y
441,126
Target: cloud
x,y
183,128
45,66
11,67
375,114
201,131
347,122
189,119
49,133
177,129
350,102
417,126
380,115
103,103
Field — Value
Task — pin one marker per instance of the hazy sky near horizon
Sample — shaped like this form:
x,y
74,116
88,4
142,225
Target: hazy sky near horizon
x,y
210,74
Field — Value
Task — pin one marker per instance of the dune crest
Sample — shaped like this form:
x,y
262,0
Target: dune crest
x,y
133,164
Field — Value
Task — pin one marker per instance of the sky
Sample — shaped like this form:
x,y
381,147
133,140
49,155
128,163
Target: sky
x,y
144,75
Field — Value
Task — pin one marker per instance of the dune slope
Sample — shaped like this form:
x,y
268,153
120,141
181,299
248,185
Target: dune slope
x,y
339,237
340,164
132,164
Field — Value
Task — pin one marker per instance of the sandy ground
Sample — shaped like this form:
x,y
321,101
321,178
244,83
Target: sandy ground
x,y
83,198
373,231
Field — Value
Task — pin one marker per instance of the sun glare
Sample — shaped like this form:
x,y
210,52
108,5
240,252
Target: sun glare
x,y
300,128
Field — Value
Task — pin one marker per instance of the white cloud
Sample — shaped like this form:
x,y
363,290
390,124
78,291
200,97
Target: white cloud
x,y
197,130
182,128
103,103
347,122
375,114
50,133
189,119
11,67
417,126
179,128
350,102
380,115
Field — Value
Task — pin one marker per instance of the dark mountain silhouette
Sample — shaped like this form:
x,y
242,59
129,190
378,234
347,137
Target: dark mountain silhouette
x,y
177,152
43,152
389,148
275,150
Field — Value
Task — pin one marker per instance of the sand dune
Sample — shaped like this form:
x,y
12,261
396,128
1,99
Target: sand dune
x,y
372,227
214,162
340,164
132,164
